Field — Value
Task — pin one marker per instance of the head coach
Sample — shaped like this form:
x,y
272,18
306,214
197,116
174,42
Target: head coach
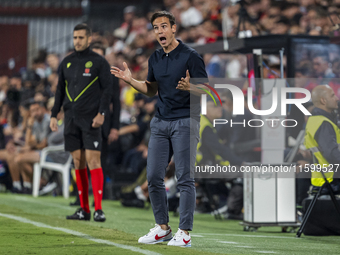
x,y
175,127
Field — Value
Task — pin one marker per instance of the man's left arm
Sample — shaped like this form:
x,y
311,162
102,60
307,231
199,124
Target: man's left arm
x,y
196,70
105,81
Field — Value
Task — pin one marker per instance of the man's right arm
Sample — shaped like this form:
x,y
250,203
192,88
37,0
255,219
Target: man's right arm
x,y
148,87
60,93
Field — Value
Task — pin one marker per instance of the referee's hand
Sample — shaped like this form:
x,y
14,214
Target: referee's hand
x,y
98,121
54,124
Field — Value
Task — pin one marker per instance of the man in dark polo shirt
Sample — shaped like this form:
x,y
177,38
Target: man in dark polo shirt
x,y
175,127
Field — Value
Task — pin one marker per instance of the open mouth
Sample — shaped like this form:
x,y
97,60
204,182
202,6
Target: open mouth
x,y
162,39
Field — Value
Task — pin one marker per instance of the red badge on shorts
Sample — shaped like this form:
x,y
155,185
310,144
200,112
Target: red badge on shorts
x,y
87,70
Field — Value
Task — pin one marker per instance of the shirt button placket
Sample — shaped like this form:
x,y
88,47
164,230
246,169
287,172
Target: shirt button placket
x,y
167,62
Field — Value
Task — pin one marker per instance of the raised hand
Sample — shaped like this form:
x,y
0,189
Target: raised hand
x,y
184,83
124,75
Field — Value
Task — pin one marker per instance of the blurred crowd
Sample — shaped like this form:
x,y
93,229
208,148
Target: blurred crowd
x,y
312,17
26,98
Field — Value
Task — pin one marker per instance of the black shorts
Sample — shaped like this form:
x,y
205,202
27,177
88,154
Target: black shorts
x,y
79,134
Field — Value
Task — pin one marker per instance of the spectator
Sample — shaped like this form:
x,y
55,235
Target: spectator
x,y
214,66
31,80
211,150
210,31
35,140
292,12
281,26
52,62
135,159
53,82
129,14
190,16
4,86
21,158
15,82
321,66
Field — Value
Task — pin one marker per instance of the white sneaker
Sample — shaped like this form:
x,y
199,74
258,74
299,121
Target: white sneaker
x,y
156,235
181,239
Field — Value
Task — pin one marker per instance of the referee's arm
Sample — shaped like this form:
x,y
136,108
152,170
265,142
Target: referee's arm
x,y
58,99
60,93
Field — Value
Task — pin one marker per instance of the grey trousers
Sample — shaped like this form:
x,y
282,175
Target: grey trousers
x,y
173,138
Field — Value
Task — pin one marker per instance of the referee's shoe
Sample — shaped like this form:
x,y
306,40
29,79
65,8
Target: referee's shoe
x,y
80,214
99,216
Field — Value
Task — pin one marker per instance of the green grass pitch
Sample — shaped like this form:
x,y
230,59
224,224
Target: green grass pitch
x,y
119,234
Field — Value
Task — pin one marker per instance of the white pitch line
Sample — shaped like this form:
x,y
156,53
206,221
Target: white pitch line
x,y
279,237
196,236
268,252
79,234
227,242
242,246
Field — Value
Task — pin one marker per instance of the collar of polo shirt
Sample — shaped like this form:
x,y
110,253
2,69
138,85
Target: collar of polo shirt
x,y
174,52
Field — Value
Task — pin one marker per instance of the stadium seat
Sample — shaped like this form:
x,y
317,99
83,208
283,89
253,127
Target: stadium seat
x,y
63,168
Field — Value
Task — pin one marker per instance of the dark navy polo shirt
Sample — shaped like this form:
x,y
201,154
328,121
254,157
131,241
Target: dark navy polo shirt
x,y
167,69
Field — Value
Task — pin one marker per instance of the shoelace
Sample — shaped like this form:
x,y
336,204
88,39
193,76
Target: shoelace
x,y
178,234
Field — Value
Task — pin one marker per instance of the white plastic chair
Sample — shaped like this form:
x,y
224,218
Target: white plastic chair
x,y
64,169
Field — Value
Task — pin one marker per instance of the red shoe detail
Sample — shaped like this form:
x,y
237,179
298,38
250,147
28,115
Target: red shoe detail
x,y
186,242
159,237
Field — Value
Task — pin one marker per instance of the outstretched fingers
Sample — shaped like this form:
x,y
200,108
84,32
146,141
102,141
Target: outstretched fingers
x,y
115,69
116,72
125,66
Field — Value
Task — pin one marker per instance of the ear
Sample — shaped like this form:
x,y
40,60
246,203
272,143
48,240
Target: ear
x,y
89,40
174,28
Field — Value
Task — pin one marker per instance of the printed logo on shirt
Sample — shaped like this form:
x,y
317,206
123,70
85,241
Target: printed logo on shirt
x,y
68,64
87,72
88,64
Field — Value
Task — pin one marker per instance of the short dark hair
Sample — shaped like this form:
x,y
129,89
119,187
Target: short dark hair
x,y
40,103
83,26
167,14
97,45
322,55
